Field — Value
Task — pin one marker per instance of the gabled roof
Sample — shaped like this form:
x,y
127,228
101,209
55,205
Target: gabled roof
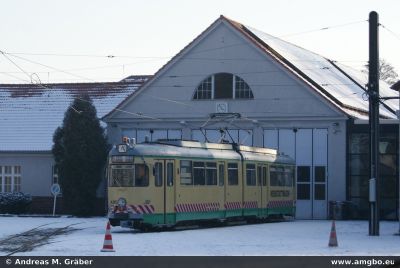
x,y
340,85
29,113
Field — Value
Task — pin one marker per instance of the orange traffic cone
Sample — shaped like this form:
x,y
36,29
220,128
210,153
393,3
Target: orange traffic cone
x,y
108,245
332,238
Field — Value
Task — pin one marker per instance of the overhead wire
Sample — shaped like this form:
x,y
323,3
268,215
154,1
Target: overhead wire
x,y
16,77
117,109
113,56
110,56
183,103
49,67
41,85
202,74
324,28
186,58
173,76
189,105
390,31
16,65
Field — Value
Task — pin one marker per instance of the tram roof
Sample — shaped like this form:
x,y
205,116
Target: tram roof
x,y
204,150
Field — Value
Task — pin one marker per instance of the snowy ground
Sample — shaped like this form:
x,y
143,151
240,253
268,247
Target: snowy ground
x,y
284,238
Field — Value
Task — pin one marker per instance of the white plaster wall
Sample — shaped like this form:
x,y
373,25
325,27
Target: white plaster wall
x,y
36,171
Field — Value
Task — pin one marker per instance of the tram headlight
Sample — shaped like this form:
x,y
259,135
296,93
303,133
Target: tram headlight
x,y
121,202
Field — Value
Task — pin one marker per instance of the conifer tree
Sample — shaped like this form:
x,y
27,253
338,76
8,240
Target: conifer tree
x,y
80,152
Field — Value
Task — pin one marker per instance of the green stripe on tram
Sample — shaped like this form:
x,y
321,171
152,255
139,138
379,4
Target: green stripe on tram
x,y
172,218
282,210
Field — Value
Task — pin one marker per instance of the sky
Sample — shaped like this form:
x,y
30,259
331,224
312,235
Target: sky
x,y
98,40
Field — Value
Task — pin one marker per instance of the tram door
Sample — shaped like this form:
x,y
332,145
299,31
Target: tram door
x,y
164,178
260,188
233,190
262,180
221,184
169,192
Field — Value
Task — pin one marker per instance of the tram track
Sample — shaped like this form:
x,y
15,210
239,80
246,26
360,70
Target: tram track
x,y
33,238
201,225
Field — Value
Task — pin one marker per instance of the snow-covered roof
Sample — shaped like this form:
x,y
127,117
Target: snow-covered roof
x,y
341,85
30,113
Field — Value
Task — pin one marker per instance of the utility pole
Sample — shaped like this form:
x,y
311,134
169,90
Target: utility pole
x,y
373,92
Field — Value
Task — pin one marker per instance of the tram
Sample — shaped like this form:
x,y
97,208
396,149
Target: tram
x,y
172,182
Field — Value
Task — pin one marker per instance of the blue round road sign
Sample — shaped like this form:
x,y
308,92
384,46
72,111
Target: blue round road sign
x,y
55,189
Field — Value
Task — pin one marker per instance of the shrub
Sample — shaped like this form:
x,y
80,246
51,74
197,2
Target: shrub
x,y
14,203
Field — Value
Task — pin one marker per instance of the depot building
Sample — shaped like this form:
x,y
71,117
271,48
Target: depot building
x,y
233,83
240,84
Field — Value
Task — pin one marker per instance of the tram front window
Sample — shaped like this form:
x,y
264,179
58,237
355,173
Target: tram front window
x,y
141,175
129,176
121,176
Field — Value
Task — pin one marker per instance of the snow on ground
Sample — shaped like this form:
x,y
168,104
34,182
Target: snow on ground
x,y
283,238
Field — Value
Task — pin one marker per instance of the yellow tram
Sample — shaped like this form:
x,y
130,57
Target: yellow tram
x,y
172,182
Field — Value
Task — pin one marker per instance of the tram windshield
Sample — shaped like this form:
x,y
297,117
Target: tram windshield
x,y
129,176
281,176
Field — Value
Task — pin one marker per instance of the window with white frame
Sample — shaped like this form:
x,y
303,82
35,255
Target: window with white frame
x,y
204,91
17,179
223,86
242,89
7,179
10,179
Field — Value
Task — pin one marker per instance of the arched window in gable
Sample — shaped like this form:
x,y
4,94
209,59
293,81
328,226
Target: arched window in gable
x,y
242,89
223,86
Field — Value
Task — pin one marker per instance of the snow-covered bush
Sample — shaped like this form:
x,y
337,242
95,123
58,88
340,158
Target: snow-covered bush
x,y
14,203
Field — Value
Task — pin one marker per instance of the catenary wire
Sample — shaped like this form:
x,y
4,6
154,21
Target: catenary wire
x,y
111,56
390,31
117,109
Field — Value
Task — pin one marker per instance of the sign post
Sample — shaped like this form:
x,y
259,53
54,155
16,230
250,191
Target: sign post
x,y
55,190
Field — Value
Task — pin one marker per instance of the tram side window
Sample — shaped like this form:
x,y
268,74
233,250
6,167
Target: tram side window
x,y
251,174
211,173
289,176
141,175
281,176
273,176
221,174
121,177
170,174
264,176
277,176
158,174
259,176
198,173
233,178
186,172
